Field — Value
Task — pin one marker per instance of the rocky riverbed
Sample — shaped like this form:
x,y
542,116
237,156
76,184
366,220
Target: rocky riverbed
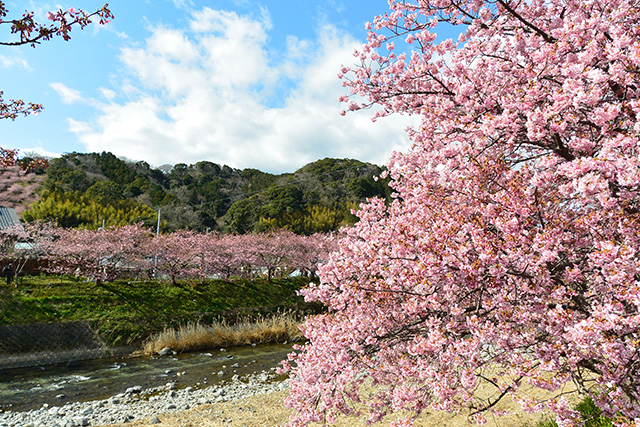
x,y
138,403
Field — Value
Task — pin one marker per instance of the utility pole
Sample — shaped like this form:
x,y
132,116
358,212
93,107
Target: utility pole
x,y
158,227
155,257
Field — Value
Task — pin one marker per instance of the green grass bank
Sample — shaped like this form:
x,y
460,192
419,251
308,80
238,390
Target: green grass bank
x,y
126,313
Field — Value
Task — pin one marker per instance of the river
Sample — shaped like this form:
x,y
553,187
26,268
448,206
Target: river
x,y
22,389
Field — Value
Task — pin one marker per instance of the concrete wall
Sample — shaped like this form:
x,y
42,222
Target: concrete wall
x,y
41,344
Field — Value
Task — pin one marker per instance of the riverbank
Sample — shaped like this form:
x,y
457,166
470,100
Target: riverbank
x,y
126,313
28,389
144,405
254,400
267,410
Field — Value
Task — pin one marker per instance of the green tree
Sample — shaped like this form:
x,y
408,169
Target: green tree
x,y
322,219
241,217
105,192
79,211
63,175
115,169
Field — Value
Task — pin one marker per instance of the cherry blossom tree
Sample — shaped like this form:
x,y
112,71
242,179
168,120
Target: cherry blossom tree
x,y
27,31
8,157
10,252
101,255
223,256
282,252
313,251
510,253
175,254
24,242
275,251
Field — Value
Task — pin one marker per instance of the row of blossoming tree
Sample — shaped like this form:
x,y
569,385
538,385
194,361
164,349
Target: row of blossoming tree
x,y
133,251
511,254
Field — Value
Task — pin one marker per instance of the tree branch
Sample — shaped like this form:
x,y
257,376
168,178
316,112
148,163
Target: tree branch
x,y
519,17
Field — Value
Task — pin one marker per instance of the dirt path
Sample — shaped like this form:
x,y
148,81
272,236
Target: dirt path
x,y
268,411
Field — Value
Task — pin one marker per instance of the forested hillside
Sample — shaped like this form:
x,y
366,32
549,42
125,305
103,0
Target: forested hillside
x,y
87,190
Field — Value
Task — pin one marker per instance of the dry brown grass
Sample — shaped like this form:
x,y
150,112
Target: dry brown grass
x,y
194,337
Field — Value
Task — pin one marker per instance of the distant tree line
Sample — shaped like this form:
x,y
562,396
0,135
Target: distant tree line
x,y
96,189
134,251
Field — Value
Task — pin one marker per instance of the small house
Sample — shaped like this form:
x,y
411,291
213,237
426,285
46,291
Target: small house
x,y
8,218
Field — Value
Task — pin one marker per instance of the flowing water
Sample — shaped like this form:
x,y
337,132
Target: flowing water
x,y
23,389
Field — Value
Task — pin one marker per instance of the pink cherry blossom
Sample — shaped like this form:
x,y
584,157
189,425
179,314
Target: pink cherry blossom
x,y
134,252
511,249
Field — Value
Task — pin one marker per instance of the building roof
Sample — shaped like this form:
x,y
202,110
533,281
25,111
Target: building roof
x,y
8,218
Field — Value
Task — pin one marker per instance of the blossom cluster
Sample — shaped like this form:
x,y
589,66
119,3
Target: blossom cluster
x,y
30,32
8,157
511,252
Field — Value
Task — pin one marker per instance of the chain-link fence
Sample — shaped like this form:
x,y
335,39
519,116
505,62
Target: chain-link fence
x,y
41,344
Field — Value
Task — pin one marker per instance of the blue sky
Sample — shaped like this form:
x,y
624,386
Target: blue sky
x,y
241,82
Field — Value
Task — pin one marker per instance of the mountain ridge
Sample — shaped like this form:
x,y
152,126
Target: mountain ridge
x,y
89,189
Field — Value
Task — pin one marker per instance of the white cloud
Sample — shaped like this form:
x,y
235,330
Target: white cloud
x,y
78,127
68,95
8,62
205,94
182,4
107,93
38,151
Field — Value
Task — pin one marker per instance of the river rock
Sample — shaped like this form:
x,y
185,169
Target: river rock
x,y
166,351
81,421
134,389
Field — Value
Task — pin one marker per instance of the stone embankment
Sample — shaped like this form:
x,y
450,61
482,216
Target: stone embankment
x,y
137,403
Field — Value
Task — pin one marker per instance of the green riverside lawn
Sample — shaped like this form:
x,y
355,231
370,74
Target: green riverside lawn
x,y
125,313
